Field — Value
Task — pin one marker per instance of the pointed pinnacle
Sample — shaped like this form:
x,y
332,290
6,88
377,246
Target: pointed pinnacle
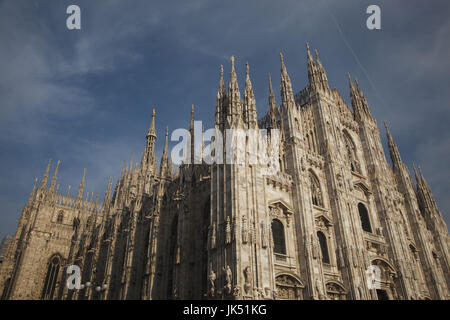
x,y
308,53
45,177
221,81
270,85
84,176
350,82
55,177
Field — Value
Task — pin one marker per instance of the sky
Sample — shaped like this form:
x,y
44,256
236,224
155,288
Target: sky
x,y
85,97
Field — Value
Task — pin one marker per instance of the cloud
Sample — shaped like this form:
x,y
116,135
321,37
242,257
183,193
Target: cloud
x,y
85,97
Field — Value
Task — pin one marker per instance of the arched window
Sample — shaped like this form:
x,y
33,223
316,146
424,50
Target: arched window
x,y
351,153
323,247
51,278
279,242
60,218
364,216
316,193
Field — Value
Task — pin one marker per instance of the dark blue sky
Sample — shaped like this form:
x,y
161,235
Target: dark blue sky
x,y
85,97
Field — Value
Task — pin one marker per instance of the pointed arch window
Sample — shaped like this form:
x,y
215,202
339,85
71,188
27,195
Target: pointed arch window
x,y
364,216
351,153
316,192
279,240
51,278
323,247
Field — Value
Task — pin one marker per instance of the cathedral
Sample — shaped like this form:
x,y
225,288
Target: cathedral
x,y
337,221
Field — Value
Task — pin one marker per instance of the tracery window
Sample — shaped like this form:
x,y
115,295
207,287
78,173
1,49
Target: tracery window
x,y
51,278
316,193
279,241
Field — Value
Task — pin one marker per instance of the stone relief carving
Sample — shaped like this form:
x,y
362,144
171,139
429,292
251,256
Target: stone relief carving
x,y
244,230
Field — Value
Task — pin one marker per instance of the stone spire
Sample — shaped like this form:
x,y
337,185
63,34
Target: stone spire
x,y
287,95
151,131
130,170
164,158
234,96
363,100
148,161
250,114
221,96
272,105
393,149
107,199
427,203
55,177
45,177
33,192
322,76
79,199
358,100
312,70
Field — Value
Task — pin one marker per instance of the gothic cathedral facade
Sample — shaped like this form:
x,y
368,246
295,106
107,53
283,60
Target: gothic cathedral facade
x,y
337,221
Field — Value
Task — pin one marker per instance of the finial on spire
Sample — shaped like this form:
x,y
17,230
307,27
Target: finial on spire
x,y
151,130
247,69
232,62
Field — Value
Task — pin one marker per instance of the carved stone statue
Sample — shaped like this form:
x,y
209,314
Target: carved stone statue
x,y
247,279
319,289
212,280
228,279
